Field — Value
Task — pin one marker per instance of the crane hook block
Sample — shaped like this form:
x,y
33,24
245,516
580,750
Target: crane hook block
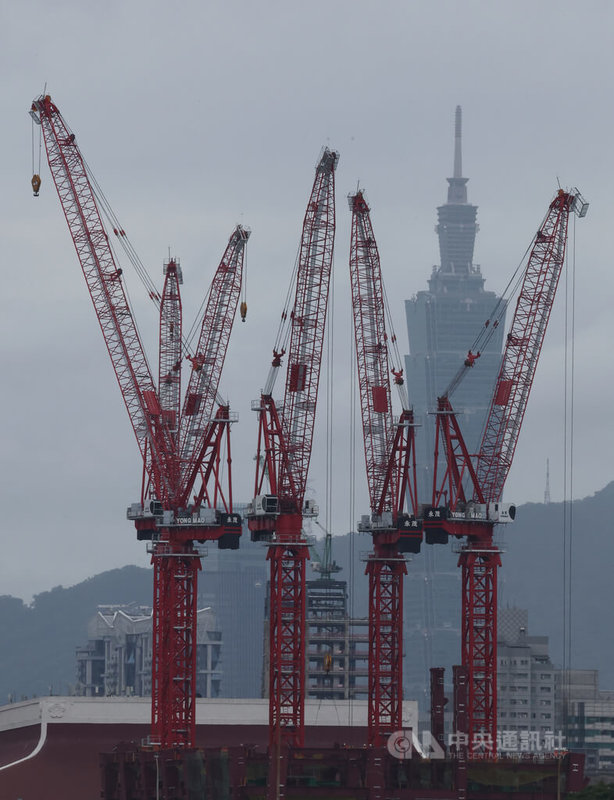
x,y
243,310
36,184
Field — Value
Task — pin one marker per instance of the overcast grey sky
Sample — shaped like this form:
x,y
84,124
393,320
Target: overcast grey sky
x,y
197,115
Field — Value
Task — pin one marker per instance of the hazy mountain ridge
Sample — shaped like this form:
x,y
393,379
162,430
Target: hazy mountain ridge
x,y
533,572
39,640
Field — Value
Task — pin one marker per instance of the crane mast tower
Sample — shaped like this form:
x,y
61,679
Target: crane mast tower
x,y
179,446
391,477
285,438
467,489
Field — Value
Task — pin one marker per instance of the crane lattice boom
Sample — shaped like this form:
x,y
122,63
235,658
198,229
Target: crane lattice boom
x,y
307,333
197,414
371,354
106,289
523,345
170,346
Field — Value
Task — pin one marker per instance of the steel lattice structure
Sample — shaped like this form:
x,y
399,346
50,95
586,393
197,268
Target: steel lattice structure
x,y
285,438
208,361
169,362
173,673
391,478
372,354
474,512
178,448
386,570
523,346
479,636
307,334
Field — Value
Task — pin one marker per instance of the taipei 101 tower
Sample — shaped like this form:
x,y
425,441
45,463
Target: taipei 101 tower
x,y
442,323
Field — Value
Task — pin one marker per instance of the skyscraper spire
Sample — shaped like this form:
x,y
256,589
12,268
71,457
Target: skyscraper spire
x,y
457,190
457,224
442,322
458,134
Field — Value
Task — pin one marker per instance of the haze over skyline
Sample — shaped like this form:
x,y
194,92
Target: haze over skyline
x,y
197,117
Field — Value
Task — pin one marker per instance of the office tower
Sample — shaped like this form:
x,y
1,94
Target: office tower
x,y
525,686
444,320
337,644
442,323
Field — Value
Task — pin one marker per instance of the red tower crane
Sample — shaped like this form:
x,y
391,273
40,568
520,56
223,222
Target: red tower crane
x,y
179,447
467,490
391,478
285,437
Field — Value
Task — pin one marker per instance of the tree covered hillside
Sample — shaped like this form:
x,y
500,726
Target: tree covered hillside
x,y
533,572
39,641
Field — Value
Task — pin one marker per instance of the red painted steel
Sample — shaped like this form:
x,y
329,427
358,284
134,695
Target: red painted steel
x,y
460,743
386,569
523,346
371,354
453,464
479,564
465,484
106,289
438,704
307,334
173,676
285,437
286,629
169,361
178,448
391,478
207,363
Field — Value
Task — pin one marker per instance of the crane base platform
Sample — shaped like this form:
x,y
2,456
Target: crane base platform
x,y
351,773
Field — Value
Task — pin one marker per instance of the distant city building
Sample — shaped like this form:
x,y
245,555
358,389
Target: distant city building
x,y
337,645
231,588
542,707
526,684
442,323
586,715
116,661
